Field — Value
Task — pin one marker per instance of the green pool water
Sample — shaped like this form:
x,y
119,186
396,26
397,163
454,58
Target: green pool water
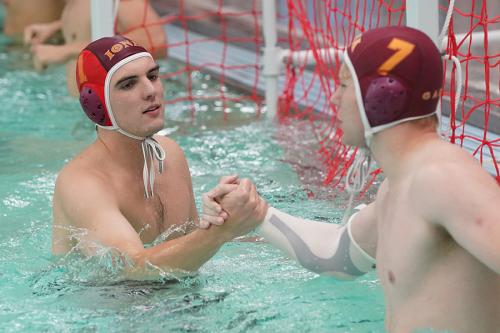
x,y
246,287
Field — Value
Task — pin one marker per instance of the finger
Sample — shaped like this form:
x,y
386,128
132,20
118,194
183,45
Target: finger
x,y
213,207
39,66
204,224
253,193
212,212
246,185
253,197
209,204
27,36
217,220
221,190
232,179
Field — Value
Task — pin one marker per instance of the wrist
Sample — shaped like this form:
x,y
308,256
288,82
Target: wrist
x,y
264,214
218,235
55,25
269,212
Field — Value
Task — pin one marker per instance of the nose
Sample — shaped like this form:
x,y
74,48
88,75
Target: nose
x,y
149,90
335,98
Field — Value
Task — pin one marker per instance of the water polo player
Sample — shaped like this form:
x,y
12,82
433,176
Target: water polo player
x,y
434,227
129,186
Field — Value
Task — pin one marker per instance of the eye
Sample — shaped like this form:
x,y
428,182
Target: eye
x,y
153,76
127,85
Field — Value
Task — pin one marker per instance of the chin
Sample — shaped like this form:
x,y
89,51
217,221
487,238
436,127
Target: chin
x,y
150,130
156,129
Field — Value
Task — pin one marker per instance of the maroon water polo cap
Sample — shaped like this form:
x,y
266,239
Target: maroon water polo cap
x,y
397,74
96,65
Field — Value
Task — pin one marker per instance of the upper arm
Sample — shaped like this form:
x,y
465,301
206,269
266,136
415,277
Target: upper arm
x,y
95,217
464,199
364,229
178,161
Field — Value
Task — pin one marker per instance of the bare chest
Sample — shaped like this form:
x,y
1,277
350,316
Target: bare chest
x,y
168,210
407,244
76,20
420,267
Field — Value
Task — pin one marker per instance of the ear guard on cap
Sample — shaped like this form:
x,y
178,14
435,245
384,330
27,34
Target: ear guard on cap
x,y
385,100
92,105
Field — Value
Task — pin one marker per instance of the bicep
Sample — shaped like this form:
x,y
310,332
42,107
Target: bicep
x,y
108,229
179,164
97,221
364,229
475,225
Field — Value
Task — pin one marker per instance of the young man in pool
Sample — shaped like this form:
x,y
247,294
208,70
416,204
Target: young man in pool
x,y
130,186
434,227
21,13
75,26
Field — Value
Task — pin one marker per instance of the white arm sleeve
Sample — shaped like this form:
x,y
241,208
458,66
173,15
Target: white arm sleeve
x,y
324,248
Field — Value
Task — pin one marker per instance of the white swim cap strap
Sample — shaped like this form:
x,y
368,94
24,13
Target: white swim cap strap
x,y
358,172
140,138
151,150
356,177
359,100
107,82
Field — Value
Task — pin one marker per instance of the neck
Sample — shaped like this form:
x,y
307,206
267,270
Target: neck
x,y
125,151
393,147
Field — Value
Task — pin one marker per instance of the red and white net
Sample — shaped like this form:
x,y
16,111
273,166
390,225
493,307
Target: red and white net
x,y
473,38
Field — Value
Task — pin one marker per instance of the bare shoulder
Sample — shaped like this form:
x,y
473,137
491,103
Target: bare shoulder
x,y
450,182
168,144
80,191
174,153
454,168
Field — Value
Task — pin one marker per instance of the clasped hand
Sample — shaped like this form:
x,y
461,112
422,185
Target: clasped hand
x,y
233,205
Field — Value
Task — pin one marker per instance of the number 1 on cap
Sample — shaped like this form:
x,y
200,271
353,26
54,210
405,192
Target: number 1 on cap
x,y
402,48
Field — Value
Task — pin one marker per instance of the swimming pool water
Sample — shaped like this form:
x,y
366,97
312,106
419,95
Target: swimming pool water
x,y
246,287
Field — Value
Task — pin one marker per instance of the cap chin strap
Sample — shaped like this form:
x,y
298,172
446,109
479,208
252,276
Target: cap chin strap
x,y
356,178
359,100
151,151
360,167
151,148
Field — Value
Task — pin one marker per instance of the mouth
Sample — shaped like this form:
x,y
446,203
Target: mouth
x,y
152,108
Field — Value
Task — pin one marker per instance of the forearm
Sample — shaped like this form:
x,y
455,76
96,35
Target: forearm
x,y
324,248
72,50
54,26
186,253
